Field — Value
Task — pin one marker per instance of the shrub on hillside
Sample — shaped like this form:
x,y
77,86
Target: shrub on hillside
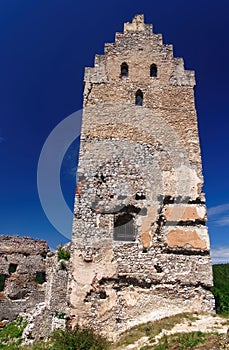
x,y
83,339
221,288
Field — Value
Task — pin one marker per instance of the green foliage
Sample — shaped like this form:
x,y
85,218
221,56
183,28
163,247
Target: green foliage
x,y
221,288
60,315
62,254
62,265
10,335
189,340
79,338
2,282
36,346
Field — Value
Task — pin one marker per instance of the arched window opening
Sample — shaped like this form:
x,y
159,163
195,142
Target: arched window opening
x,y
124,227
139,98
124,70
153,70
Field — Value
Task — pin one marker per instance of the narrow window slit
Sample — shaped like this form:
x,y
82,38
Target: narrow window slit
x,y
153,70
139,98
124,70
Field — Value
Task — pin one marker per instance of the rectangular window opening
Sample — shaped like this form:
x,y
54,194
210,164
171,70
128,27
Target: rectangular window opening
x,y
124,227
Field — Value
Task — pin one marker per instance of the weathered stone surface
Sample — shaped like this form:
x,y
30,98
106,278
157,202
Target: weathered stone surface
x,y
22,262
22,245
139,235
52,311
195,237
35,286
185,213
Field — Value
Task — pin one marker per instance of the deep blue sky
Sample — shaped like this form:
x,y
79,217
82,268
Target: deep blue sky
x,y
44,47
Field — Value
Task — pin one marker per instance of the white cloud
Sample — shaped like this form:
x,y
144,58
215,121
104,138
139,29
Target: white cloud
x,y
219,215
223,221
219,209
220,255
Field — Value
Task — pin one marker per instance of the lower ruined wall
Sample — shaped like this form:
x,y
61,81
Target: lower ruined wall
x,y
53,312
110,288
33,285
22,274
166,270
112,294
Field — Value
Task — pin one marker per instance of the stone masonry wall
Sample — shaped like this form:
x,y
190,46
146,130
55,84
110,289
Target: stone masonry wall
x,y
23,275
33,284
139,237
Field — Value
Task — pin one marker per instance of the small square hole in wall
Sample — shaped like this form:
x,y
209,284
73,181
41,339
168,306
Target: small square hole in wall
x,y
12,268
40,277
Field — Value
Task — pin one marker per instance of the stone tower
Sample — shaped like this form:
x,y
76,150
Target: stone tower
x,y
140,244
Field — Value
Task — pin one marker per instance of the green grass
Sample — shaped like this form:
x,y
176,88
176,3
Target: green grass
x,y
181,341
151,329
192,340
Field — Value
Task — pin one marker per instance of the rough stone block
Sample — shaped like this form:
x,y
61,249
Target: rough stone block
x,y
188,238
180,212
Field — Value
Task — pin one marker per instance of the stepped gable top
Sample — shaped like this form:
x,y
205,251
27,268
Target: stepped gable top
x,y
138,24
138,37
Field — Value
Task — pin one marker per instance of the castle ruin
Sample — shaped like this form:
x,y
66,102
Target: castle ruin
x,y
140,244
140,248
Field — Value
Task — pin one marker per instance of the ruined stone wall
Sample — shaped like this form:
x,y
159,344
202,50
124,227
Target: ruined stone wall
x,y
22,273
139,235
33,284
52,312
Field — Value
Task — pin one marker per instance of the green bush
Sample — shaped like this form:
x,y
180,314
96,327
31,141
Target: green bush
x,y
82,339
62,265
221,288
62,254
77,339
